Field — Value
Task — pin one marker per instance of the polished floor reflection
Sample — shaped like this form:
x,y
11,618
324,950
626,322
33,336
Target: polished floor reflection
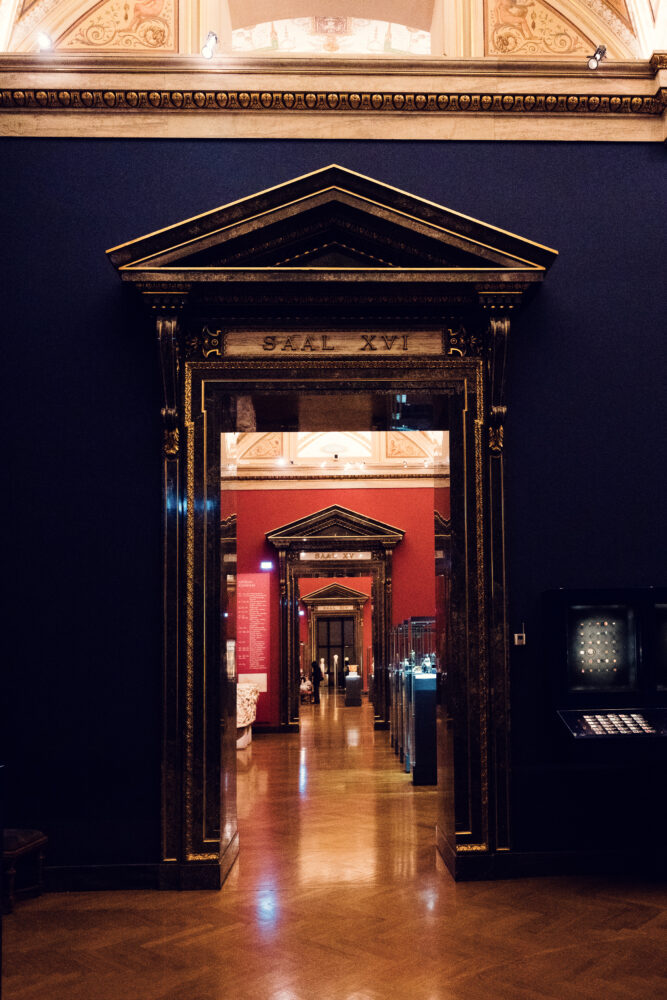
x,y
338,895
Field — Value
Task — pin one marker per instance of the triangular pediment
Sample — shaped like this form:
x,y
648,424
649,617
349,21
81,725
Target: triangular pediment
x,y
332,218
334,592
332,526
442,525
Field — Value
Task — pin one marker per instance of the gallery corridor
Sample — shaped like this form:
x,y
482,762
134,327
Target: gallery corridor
x,y
338,894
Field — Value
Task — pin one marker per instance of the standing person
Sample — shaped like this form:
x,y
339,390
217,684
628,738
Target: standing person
x,y
316,677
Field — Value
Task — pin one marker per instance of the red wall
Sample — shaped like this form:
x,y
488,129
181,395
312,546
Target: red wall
x,y
411,510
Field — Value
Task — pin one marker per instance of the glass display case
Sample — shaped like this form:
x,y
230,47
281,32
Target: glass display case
x,y
608,661
601,648
413,698
592,725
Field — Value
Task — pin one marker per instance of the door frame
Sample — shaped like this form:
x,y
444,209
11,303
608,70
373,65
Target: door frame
x,y
333,530
333,596
413,298
473,695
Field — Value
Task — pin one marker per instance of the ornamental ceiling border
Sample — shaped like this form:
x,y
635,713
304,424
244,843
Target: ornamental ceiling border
x,y
332,102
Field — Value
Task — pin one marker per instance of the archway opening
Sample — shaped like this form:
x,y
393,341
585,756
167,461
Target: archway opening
x,y
338,579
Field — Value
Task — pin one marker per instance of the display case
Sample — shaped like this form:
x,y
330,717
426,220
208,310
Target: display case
x,y
607,649
601,648
592,725
422,740
413,698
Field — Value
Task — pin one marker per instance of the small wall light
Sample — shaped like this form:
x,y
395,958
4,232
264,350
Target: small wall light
x,y
210,45
599,54
266,565
44,42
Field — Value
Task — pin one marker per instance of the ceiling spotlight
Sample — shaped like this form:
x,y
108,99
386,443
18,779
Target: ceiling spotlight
x,y
210,45
44,42
599,54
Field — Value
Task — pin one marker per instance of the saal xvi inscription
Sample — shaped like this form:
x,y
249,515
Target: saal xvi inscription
x,y
261,343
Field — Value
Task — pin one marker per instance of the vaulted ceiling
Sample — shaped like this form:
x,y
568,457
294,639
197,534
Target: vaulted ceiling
x,y
502,29
315,456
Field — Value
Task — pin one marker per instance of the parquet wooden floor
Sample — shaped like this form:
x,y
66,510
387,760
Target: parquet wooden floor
x,y
338,895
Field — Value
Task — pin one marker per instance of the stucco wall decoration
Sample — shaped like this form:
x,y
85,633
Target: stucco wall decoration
x,y
529,28
616,17
125,24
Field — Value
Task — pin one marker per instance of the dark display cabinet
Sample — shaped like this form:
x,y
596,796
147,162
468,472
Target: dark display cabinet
x,y
606,654
608,649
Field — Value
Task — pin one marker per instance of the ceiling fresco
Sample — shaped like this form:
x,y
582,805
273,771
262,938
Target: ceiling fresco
x,y
511,29
335,455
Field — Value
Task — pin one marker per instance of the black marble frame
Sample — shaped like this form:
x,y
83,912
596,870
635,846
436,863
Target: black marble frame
x,y
199,799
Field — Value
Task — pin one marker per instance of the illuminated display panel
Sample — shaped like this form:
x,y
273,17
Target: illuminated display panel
x,y
601,648
626,724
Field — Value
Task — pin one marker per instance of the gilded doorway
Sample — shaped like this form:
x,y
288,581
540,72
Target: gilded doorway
x,y
331,292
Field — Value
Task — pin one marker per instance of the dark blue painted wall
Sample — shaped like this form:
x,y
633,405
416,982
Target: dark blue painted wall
x,y
585,435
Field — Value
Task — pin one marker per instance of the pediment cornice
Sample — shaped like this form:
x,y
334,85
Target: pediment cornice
x,y
335,527
389,229
333,593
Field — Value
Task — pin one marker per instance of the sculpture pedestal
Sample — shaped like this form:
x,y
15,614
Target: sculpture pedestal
x,y
352,690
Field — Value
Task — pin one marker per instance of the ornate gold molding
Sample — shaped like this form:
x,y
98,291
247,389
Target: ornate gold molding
x,y
331,102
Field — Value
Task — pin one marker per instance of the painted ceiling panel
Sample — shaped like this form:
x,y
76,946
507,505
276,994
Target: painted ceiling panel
x,y
124,24
558,29
531,28
417,13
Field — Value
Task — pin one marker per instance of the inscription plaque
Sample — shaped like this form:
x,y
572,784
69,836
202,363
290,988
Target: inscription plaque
x,y
328,343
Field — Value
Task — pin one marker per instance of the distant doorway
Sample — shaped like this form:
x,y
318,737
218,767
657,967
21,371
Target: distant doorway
x,y
335,647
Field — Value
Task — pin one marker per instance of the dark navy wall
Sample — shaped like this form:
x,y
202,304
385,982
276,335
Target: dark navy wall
x,y
585,435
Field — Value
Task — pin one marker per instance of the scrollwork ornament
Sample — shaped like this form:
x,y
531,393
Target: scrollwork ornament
x,y
212,342
462,342
499,328
167,334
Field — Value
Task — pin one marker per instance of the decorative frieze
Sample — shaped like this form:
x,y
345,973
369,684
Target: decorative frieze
x,y
221,101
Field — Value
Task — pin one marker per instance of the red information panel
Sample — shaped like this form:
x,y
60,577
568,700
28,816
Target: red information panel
x,y
253,623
